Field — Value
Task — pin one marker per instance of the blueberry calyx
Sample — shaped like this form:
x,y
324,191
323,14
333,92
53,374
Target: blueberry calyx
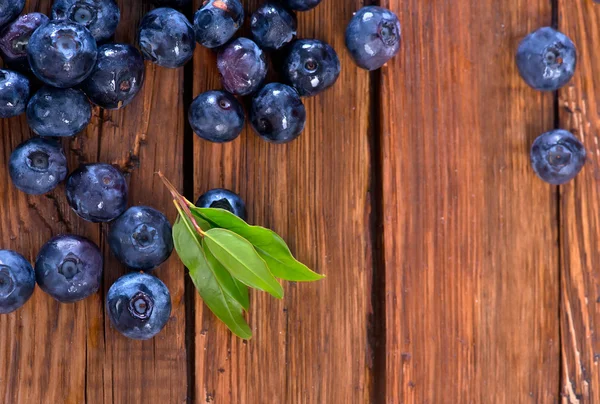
x,y
144,236
66,43
7,283
70,266
141,306
83,14
38,161
559,156
387,33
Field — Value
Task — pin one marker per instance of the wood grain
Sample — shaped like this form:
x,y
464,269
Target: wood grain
x,y
580,212
64,353
470,234
312,346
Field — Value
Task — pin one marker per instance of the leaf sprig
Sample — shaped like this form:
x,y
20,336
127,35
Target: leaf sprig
x,y
225,255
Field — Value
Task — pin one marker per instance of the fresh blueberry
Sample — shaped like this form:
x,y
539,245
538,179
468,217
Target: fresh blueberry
x,y
101,17
9,10
373,37
546,59
311,66
61,53
138,305
216,116
216,22
172,3
223,199
97,192
141,238
69,268
117,77
301,5
242,66
557,156
17,281
58,111
166,37
37,166
14,40
14,93
277,113
273,26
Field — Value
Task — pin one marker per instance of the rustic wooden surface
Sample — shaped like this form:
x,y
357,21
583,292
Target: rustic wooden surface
x,y
454,275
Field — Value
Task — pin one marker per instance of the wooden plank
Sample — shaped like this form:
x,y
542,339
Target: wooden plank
x,y
471,258
580,213
69,353
312,346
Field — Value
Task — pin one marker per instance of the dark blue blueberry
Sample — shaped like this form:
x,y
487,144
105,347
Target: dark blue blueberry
x,y
141,238
172,3
69,268
58,111
557,156
10,10
546,59
273,26
242,66
117,77
14,40
216,116
61,53
138,305
37,166
100,17
17,281
277,113
166,37
301,5
216,22
97,192
14,93
373,37
223,199
311,66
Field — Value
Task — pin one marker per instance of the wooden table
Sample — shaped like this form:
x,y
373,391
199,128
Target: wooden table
x,y
454,275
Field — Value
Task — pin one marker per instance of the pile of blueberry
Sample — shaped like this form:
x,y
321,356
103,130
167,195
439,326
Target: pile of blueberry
x,y
70,60
546,60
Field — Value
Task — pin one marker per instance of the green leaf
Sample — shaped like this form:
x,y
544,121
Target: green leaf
x,y
231,286
240,258
190,251
267,243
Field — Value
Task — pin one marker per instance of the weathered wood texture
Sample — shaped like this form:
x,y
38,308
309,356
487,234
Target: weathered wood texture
x,y
470,234
68,353
580,212
312,346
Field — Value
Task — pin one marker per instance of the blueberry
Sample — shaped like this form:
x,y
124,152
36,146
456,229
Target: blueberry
x,y
100,17
301,5
14,40
14,93
273,26
557,156
216,116
242,66
69,268
17,281
37,166
97,192
58,111
277,113
117,77
9,10
223,199
172,3
141,238
138,305
311,66
216,22
61,53
166,37
373,37
546,59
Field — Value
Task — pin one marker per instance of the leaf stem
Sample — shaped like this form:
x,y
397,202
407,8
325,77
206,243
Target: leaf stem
x,y
181,204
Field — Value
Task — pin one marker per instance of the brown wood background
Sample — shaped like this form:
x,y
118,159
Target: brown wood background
x,y
454,275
